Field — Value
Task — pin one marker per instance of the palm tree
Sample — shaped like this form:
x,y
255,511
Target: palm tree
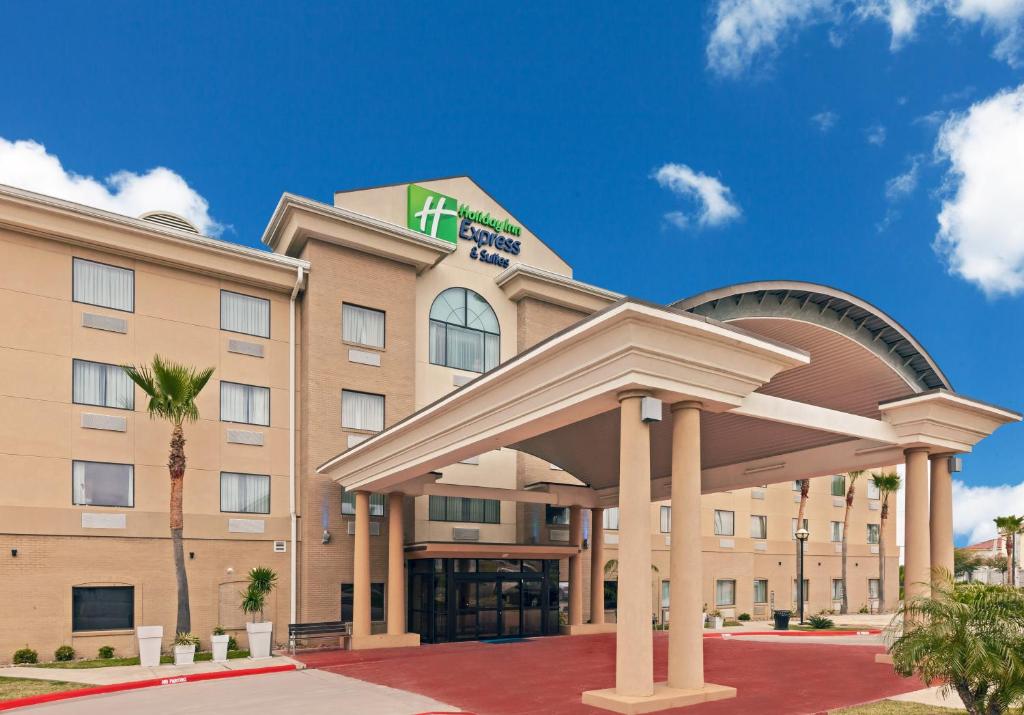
x,y
172,390
968,636
851,480
805,491
1009,527
886,484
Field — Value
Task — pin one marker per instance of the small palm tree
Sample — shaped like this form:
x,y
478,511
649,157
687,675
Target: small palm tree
x,y
172,389
1009,527
851,480
887,485
969,637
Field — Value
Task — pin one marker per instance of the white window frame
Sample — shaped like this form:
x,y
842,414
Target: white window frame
x,y
835,531
351,421
610,518
720,526
719,603
877,531
76,489
765,582
762,520
665,519
350,333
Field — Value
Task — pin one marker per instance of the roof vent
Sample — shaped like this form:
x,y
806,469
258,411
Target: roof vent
x,y
166,218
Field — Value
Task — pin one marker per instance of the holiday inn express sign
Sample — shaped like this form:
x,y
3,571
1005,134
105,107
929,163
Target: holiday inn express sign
x,y
443,217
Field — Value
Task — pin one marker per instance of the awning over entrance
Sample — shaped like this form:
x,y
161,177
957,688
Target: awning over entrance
x,y
457,550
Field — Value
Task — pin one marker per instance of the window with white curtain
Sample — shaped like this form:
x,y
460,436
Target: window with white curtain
x,y
873,533
100,384
348,504
247,404
666,519
611,518
837,589
873,490
873,588
102,484
837,531
666,589
244,314
244,493
794,528
758,526
362,326
362,411
725,523
760,590
99,284
725,592
807,590
464,331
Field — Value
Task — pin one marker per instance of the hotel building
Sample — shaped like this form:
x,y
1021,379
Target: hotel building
x,y
367,315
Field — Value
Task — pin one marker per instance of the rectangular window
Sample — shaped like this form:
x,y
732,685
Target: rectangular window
x,y
793,534
758,526
837,589
725,592
247,404
100,384
376,602
873,588
556,515
873,491
665,589
611,518
873,533
244,493
611,595
103,484
725,524
362,326
106,286
666,520
796,485
244,314
348,504
362,411
478,511
807,590
102,608
760,590
837,531
839,486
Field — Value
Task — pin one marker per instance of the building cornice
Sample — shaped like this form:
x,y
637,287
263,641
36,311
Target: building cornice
x,y
296,219
56,219
520,281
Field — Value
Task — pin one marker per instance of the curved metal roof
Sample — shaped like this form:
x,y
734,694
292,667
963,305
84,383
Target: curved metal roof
x,y
830,308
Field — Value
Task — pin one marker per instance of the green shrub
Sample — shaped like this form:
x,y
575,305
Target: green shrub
x,y
106,652
186,639
744,616
864,609
25,655
232,643
64,653
820,622
218,631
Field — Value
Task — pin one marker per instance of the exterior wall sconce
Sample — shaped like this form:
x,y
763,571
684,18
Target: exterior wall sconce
x,y
326,539
14,553
650,409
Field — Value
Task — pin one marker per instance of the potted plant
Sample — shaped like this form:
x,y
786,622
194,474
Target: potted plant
x,y
185,648
150,639
717,615
219,641
261,582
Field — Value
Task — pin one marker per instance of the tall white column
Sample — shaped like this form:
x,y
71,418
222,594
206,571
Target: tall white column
x,y
917,552
576,566
597,566
361,568
941,514
396,565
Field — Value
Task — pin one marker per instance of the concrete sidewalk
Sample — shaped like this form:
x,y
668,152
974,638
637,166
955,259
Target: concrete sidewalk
x,y
933,697
130,673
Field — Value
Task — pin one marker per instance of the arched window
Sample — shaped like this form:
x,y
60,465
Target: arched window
x,y
464,331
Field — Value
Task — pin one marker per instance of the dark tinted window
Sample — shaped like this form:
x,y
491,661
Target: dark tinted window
x,y
102,608
376,602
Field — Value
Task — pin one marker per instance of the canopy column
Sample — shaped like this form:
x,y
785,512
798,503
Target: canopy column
x,y
361,568
597,567
576,566
917,552
941,512
396,565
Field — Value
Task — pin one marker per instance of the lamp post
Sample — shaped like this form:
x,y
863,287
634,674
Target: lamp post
x,y
802,536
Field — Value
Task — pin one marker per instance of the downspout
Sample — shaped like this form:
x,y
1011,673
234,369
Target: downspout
x,y
293,561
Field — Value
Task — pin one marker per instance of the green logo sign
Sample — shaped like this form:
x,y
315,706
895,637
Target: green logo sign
x,y
434,214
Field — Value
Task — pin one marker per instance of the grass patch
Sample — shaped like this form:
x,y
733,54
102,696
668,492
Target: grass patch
x,y
893,707
110,662
13,688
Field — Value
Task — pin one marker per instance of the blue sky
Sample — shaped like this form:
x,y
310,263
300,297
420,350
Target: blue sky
x,y
565,114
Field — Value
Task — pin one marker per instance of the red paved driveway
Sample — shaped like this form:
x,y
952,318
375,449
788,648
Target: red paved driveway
x,y
546,675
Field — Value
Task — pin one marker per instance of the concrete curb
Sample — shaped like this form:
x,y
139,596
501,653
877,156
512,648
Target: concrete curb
x,y
793,634
137,684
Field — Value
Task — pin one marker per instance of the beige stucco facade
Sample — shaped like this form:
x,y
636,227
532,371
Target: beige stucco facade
x,y
510,447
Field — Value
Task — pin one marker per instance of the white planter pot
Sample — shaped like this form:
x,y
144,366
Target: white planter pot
x,y
184,654
150,639
718,621
220,648
259,639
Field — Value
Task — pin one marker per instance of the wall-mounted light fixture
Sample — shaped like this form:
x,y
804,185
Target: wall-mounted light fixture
x,y
650,409
191,554
14,553
326,539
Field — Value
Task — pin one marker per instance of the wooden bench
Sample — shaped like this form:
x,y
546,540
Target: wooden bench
x,y
323,629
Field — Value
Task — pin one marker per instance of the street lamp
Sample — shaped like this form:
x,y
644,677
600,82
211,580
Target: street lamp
x,y
801,536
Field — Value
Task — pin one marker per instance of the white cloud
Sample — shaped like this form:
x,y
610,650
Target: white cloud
x,y
749,32
981,225
875,135
677,219
714,199
26,164
901,186
974,508
825,120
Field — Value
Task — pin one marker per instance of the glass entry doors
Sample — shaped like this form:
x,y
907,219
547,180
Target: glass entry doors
x,y
474,599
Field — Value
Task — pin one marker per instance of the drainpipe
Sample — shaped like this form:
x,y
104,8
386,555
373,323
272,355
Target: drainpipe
x,y
293,561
